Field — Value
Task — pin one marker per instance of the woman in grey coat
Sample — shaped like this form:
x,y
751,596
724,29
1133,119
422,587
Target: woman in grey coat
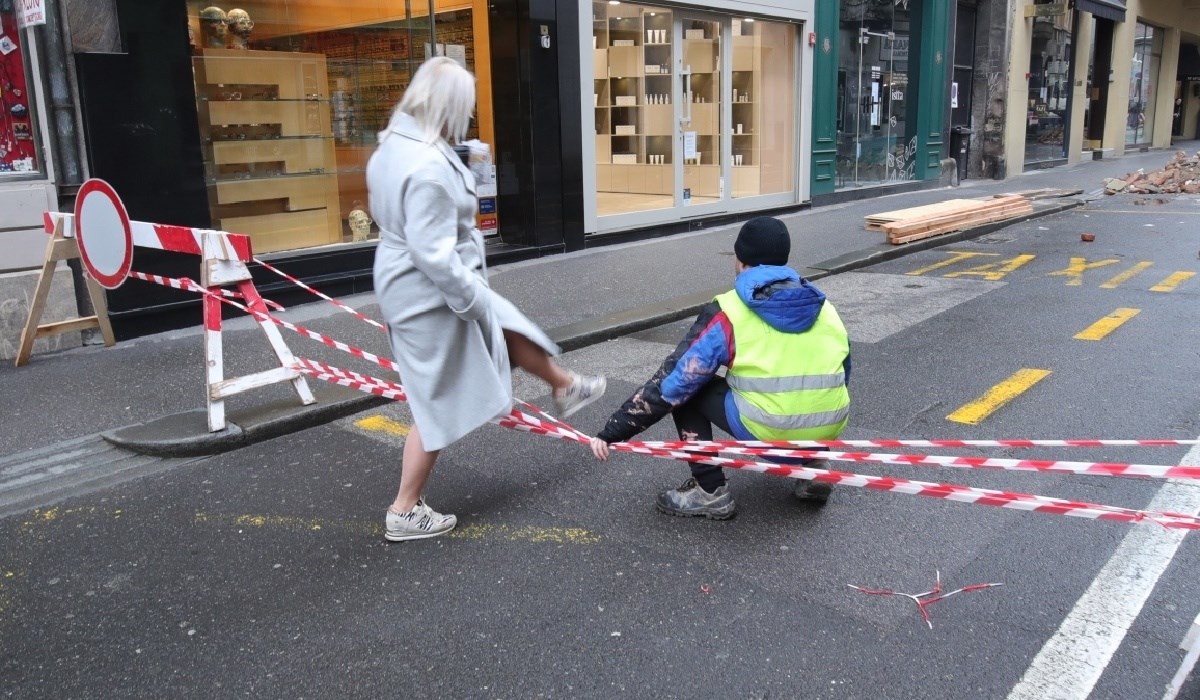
x,y
452,336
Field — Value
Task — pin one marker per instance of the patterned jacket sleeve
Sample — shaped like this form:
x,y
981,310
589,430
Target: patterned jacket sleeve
x,y
707,346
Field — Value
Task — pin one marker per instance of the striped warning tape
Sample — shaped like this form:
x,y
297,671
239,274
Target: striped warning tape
x,y
952,492
1095,468
709,444
326,297
700,451
188,285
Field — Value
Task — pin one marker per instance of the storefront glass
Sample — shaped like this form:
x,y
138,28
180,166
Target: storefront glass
x,y
683,117
1050,55
1143,79
874,146
18,149
290,97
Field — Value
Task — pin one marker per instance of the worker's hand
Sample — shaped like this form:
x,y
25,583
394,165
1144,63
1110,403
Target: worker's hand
x,y
600,449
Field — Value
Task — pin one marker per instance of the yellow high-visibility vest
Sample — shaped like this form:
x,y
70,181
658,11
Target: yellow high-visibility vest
x,y
788,386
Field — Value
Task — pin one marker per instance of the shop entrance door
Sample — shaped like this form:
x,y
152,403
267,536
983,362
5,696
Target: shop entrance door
x,y
702,141
874,112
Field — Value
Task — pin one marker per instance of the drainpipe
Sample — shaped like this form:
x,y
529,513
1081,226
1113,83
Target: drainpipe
x,y
65,134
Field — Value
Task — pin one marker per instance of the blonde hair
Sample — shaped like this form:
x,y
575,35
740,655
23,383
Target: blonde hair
x,y
440,98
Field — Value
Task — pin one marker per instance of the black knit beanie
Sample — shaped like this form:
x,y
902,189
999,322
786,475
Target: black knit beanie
x,y
763,240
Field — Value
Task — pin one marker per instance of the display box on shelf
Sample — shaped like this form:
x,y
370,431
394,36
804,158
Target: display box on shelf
x,y
626,130
624,159
693,34
622,42
626,101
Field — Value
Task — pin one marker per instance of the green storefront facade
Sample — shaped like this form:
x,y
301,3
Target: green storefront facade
x,y
884,64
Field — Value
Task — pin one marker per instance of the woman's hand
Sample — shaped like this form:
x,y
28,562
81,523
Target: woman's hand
x,y
600,449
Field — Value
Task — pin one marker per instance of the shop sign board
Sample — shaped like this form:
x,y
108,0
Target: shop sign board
x,y
487,205
1053,10
30,13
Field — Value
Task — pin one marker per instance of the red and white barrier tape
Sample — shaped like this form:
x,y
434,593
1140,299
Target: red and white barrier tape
x,y
326,297
683,450
924,600
187,284
952,492
710,444
1096,468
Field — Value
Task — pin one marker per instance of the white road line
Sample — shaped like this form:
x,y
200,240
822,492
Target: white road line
x,y
1071,661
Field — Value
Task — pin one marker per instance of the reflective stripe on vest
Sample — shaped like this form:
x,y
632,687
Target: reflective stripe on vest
x,y
788,386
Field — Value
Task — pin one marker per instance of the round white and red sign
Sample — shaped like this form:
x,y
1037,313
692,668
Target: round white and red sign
x,y
103,233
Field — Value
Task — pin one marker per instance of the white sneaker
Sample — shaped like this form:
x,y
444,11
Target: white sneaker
x,y
417,524
583,391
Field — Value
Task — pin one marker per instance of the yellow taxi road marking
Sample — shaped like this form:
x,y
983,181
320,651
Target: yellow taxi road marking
x,y
955,257
382,424
994,272
1106,325
1172,281
1074,271
1126,275
999,395
480,531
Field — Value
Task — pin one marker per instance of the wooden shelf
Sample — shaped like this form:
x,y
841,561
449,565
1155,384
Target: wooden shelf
x,y
270,161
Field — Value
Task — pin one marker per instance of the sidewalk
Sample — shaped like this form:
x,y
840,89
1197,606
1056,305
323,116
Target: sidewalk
x,y
146,395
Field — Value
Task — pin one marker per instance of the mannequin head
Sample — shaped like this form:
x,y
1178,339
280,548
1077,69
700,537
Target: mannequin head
x,y
213,27
240,26
360,225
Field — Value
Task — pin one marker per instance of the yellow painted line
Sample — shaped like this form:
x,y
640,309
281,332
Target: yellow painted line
x,y
382,424
1107,325
476,531
1172,281
1074,271
999,395
1126,275
994,272
956,257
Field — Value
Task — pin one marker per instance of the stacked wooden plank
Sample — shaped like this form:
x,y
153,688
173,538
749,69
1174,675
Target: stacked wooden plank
x,y
907,225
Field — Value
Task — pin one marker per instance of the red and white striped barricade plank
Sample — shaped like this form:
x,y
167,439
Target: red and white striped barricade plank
x,y
106,237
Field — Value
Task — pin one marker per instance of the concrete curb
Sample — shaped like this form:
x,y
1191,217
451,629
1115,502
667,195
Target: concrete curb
x,y
186,434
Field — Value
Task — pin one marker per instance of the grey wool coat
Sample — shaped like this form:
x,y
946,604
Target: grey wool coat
x,y
445,322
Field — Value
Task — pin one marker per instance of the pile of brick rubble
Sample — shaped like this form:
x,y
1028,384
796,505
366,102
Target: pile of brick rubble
x,y
1182,174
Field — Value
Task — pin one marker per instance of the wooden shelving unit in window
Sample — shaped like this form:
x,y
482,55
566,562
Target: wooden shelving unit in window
x,y
747,86
632,87
268,145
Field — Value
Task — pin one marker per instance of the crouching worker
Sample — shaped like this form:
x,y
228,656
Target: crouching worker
x,y
788,362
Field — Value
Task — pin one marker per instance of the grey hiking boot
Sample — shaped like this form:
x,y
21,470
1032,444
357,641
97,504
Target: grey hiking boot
x,y
583,391
691,500
417,524
814,492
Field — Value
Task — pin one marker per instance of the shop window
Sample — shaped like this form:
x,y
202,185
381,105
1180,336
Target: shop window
x,y
291,95
18,144
1143,84
661,93
874,146
1049,96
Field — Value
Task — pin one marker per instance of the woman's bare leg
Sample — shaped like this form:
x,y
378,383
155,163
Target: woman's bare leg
x,y
414,471
532,358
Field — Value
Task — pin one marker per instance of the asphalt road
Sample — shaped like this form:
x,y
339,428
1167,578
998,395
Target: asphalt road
x,y
263,572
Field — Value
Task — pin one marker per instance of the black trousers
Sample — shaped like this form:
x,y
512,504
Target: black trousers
x,y
695,420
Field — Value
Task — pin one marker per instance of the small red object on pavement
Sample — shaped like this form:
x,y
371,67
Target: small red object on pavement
x,y
1087,237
